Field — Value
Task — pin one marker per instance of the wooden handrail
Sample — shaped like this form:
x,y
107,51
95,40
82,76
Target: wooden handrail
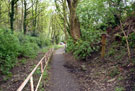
x,y
30,76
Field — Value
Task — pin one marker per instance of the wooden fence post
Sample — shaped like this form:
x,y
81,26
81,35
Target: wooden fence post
x,y
31,84
30,76
103,41
42,67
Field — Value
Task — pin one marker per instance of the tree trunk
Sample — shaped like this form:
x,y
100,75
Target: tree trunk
x,y
35,18
65,20
16,17
33,27
12,15
0,11
74,22
25,16
22,16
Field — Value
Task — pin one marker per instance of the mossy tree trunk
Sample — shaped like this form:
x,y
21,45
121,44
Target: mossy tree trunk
x,y
74,22
65,19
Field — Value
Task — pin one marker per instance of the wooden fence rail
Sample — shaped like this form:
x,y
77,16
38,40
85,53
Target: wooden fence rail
x,y
43,67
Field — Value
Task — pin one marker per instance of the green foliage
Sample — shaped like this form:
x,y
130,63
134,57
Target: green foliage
x,y
131,39
58,46
111,52
90,35
119,89
120,78
9,50
114,72
29,49
28,45
23,61
45,79
81,49
45,49
93,13
42,41
38,71
13,46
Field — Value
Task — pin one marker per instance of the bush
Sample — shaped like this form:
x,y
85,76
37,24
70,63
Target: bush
x,y
131,40
28,49
88,44
29,46
9,50
42,42
26,38
81,49
16,45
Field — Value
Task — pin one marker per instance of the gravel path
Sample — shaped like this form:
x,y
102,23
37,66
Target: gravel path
x,y
61,79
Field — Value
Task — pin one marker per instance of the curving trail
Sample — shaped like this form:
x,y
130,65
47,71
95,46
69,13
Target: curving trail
x,y
61,79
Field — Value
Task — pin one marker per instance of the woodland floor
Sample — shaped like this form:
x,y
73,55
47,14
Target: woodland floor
x,y
114,73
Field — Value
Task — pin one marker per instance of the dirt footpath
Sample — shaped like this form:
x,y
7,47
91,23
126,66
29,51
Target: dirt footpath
x,y
60,78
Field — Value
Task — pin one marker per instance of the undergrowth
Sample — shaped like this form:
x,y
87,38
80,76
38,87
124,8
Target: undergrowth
x,y
16,46
83,48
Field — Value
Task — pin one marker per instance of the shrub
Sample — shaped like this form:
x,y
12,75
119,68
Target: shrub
x,y
13,46
81,49
42,42
9,50
26,38
88,44
28,49
29,45
131,40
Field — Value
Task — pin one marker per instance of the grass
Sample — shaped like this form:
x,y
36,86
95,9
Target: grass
x,y
45,74
7,77
45,49
44,79
111,52
58,46
38,71
23,61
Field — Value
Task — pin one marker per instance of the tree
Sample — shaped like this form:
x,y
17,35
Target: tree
x,y
25,16
65,19
26,12
0,9
71,26
12,13
74,22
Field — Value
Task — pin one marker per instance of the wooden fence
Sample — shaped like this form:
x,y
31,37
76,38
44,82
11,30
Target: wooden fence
x,y
43,64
